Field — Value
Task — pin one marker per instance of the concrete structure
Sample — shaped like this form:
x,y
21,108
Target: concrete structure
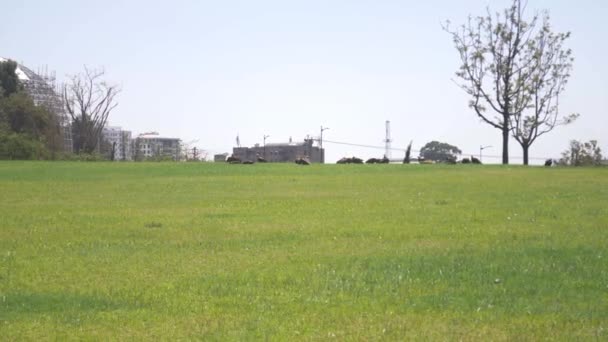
x,y
282,152
42,88
122,139
153,145
220,158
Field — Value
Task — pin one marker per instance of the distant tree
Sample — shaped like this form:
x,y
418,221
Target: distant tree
x,y
439,151
9,81
27,131
23,117
14,146
106,149
136,150
19,115
550,71
408,154
113,151
89,101
500,66
582,154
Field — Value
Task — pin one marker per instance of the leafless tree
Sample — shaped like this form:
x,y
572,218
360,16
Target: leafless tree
x,y
552,64
496,70
89,101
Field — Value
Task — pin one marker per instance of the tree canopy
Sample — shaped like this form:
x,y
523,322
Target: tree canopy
x,y
439,151
513,69
9,81
582,154
27,131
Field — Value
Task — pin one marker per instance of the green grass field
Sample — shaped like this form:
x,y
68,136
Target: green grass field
x,y
126,251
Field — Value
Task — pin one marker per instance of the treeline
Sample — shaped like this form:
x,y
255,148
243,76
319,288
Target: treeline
x,y
27,131
31,130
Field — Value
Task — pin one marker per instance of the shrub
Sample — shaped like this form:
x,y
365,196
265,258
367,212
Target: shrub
x,y
582,154
15,146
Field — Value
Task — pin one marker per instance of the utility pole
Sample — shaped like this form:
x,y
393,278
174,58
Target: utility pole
x,y
481,148
265,136
388,140
321,137
321,144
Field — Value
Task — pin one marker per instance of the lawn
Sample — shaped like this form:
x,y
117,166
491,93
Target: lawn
x,y
134,251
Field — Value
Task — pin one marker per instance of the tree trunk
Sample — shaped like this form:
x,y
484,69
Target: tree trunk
x,y
525,148
505,143
113,153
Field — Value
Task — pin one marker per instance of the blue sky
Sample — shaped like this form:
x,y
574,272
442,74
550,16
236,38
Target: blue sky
x,y
207,70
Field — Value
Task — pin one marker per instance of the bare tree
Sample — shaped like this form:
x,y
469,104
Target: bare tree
x,y
89,101
552,64
496,70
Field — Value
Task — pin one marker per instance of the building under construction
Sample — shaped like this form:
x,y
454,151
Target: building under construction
x,y
119,141
42,88
281,152
153,145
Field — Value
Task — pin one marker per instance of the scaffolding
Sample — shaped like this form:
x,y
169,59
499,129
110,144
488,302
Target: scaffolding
x,y
44,90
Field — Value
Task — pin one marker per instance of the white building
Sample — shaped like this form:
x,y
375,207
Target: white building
x,y
153,145
116,135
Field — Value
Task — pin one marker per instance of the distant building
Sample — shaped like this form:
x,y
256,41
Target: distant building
x,y
282,152
152,145
219,158
122,139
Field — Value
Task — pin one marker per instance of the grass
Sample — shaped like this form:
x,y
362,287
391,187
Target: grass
x,y
281,252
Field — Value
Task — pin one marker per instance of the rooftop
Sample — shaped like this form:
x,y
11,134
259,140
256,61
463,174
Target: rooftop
x,y
154,135
286,144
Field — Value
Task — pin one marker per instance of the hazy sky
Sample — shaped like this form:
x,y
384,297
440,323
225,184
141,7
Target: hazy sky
x,y
209,70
